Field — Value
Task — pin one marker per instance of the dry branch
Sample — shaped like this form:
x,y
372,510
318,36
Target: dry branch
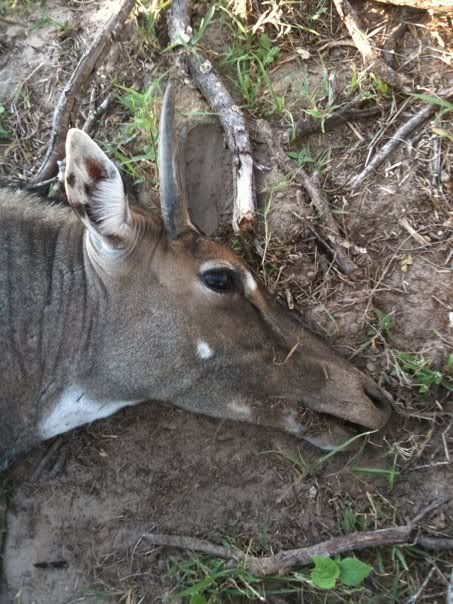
x,y
369,55
329,227
75,87
351,112
393,42
289,559
210,85
434,5
400,136
95,113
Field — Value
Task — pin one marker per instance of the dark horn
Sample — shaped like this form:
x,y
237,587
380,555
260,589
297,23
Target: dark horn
x,y
172,207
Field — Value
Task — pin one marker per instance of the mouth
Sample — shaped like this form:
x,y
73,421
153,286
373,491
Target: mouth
x,y
328,432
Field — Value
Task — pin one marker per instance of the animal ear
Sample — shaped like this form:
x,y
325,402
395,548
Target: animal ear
x,y
94,188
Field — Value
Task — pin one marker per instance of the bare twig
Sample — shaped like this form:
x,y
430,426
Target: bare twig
x,y
210,85
44,461
329,227
369,55
351,112
412,232
194,544
393,41
450,589
413,599
95,113
400,136
75,86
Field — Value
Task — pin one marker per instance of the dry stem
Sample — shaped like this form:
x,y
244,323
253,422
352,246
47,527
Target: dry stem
x,y
351,112
369,55
75,87
329,227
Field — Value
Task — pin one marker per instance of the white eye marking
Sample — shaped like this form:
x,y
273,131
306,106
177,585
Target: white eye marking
x,y
240,409
250,284
216,264
204,351
75,408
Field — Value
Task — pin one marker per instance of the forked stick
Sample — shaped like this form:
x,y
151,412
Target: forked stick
x,y
407,534
74,87
212,88
369,55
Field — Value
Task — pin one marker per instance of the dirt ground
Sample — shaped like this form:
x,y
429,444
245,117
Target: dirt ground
x,y
79,507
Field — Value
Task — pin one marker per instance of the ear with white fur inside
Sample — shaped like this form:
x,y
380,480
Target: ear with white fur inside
x,y
94,188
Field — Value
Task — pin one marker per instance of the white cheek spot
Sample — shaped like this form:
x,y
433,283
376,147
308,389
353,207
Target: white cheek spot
x,y
241,410
204,351
74,409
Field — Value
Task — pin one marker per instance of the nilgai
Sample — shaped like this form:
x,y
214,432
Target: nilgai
x,y
104,305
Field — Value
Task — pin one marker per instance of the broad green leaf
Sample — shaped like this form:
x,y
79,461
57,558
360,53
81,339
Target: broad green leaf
x,y
353,571
325,573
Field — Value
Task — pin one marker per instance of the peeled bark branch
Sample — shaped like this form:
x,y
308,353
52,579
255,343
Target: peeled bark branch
x,y
212,88
434,5
74,87
369,55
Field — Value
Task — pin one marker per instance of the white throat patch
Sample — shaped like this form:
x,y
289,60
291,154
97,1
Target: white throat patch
x,y
74,409
204,351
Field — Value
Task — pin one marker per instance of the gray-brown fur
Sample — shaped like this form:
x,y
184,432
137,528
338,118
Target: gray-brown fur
x,y
103,306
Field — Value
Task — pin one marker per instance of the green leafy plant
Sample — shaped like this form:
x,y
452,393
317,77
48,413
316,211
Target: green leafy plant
x,y
327,572
383,324
418,372
305,159
368,85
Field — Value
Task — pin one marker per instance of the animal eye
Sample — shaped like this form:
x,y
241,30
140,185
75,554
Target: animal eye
x,y
221,279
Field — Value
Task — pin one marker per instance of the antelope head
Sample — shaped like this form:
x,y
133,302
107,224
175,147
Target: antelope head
x,y
186,321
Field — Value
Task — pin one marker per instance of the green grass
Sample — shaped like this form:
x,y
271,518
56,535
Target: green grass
x,y
4,133
305,159
204,579
135,148
380,576
151,14
367,85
